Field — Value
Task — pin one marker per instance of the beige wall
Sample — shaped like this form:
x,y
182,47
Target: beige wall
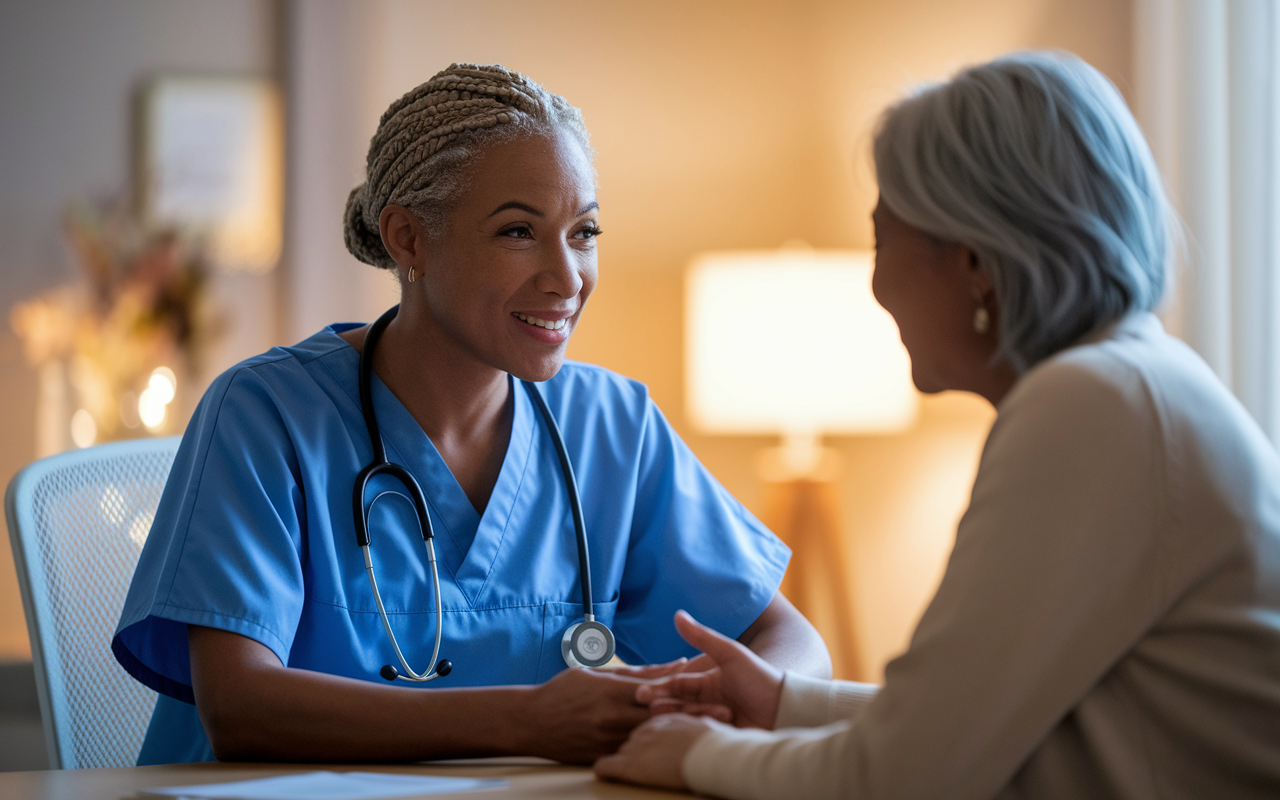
x,y
738,124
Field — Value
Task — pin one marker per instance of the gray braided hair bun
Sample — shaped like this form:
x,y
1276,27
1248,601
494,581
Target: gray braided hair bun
x,y
427,140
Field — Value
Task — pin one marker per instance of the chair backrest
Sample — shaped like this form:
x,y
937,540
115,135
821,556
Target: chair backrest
x,y
77,522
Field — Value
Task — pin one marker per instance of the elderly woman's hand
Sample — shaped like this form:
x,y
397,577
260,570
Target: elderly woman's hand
x,y
740,686
655,751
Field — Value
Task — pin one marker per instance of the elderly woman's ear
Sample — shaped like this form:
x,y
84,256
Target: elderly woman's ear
x,y
968,260
976,272
981,289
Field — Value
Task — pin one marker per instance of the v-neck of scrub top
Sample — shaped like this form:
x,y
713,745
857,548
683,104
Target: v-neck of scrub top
x,y
472,540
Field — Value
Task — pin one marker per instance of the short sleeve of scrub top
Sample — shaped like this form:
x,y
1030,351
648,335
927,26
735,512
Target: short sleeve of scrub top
x,y
254,534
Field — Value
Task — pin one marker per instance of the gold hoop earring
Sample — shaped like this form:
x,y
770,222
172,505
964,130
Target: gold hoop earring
x,y
981,320
412,276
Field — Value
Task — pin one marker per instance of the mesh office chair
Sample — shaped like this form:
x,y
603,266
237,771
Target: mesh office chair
x,y
77,522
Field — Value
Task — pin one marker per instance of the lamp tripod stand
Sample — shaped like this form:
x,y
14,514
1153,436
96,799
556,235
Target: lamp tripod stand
x,y
802,505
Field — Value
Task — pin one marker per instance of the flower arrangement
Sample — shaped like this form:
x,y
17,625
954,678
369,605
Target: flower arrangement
x,y
141,310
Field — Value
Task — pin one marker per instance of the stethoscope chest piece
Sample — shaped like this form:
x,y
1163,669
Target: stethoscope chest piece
x,y
587,644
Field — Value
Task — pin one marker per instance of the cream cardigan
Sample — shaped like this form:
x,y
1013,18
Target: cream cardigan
x,y
1108,625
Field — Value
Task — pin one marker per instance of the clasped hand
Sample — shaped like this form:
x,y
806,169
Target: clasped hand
x,y
726,684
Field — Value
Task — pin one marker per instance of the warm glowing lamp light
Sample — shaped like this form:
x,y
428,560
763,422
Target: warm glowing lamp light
x,y
792,341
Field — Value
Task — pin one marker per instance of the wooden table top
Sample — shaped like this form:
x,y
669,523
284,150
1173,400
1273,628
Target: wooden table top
x,y
528,777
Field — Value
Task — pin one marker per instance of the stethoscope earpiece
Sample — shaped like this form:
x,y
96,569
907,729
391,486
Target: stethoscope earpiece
x,y
390,673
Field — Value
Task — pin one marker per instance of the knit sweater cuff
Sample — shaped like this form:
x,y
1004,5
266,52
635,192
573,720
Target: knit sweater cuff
x,y
809,702
714,765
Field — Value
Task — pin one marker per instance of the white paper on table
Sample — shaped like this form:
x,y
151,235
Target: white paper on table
x,y
328,786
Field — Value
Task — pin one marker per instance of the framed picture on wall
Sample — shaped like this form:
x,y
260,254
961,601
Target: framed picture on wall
x,y
211,161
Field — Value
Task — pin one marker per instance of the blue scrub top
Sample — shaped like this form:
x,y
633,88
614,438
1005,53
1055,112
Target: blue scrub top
x,y
254,534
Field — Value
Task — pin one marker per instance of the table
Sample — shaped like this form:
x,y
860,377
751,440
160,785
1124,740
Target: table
x,y
528,777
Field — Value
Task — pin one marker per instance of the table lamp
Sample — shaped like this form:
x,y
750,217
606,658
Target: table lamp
x,y
791,342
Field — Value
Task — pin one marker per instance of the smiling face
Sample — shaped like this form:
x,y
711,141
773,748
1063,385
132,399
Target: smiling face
x,y
505,282
932,289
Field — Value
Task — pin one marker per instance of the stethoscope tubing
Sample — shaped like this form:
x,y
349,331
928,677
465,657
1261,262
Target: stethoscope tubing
x,y
379,466
571,484
409,674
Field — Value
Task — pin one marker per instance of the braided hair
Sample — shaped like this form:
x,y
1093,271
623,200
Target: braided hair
x,y
427,141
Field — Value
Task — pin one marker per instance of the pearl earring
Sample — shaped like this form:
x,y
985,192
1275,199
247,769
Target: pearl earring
x,y
412,276
981,320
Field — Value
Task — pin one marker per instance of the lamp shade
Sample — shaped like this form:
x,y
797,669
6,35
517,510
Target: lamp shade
x,y
792,341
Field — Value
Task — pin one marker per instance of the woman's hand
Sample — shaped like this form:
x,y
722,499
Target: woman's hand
x,y
741,687
650,672
581,714
655,751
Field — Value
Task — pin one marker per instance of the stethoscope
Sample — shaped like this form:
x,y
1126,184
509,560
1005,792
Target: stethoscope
x,y
585,644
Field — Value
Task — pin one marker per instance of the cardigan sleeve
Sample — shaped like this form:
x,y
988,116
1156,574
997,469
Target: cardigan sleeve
x,y
1054,575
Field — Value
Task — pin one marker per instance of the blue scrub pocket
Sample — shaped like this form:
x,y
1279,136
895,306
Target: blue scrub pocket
x,y
556,619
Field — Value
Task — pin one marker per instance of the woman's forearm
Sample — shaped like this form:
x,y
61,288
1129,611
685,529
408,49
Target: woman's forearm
x,y
253,708
297,715
784,638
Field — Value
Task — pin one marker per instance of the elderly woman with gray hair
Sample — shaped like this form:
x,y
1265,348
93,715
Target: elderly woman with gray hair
x,y
1109,621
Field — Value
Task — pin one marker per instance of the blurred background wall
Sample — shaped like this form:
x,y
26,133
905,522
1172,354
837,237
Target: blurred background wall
x,y
718,125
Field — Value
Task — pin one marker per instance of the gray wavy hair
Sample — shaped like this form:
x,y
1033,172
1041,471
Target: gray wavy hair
x,y
1035,163
427,141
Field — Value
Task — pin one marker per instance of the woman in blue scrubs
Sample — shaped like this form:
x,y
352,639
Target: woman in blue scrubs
x,y
251,613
